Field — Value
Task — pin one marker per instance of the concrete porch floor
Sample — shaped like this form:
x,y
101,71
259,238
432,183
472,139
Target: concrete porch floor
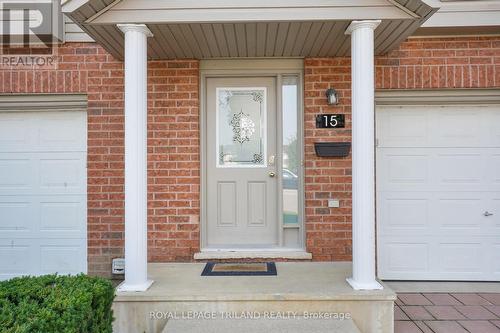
x,y
299,287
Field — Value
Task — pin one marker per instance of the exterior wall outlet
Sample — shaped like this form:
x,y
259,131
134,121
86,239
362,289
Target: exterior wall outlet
x,y
118,266
333,203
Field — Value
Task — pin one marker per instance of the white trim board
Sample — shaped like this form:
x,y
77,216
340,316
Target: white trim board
x,y
190,11
437,96
457,14
43,102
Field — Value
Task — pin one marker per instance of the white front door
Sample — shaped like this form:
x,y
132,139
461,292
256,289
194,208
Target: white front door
x,y
43,186
438,192
241,163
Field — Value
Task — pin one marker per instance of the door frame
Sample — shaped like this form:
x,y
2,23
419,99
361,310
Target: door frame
x,y
276,68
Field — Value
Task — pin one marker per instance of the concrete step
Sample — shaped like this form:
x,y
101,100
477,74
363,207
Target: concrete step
x,y
302,288
295,325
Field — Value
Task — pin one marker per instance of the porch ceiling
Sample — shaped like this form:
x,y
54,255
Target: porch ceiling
x,y
187,29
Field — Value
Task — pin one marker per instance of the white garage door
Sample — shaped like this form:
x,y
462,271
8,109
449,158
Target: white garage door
x,y
438,176
42,193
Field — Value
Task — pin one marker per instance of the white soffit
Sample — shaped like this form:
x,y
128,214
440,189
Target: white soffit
x,y
204,29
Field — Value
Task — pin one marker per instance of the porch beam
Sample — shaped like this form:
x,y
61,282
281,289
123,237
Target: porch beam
x,y
136,255
222,11
363,155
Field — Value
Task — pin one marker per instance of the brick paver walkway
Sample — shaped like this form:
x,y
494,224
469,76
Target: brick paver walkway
x,y
447,313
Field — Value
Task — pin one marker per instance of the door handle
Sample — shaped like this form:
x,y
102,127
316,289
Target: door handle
x,y
272,174
486,213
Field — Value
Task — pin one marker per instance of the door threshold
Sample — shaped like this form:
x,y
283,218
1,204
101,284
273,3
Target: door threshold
x,y
253,254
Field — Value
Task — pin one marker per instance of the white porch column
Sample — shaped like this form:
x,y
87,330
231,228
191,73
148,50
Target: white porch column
x,y
136,247
363,155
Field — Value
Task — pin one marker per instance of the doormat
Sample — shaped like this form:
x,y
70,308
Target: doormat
x,y
239,269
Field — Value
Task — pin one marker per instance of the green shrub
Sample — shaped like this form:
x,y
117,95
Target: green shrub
x,y
56,304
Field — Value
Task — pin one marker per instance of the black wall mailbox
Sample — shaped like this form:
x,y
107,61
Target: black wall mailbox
x,y
330,121
332,149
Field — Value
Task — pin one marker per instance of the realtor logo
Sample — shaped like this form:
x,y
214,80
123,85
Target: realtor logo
x,y
30,32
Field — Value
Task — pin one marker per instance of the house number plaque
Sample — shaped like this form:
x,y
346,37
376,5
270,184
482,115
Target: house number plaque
x,y
330,121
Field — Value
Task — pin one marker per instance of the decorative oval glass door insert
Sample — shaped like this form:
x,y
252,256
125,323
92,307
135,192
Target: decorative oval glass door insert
x,y
241,127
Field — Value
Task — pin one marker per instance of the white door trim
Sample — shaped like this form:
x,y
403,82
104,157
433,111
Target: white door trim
x,y
253,68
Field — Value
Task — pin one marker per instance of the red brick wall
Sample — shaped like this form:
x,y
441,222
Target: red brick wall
x,y
173,153
465,62
173,161
173,137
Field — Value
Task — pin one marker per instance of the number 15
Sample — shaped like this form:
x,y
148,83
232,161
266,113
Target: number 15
x,y
331,121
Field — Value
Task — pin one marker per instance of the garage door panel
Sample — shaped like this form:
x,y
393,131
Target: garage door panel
x,y
42,173
16,215
15,132
16,173
438,172
435,126
405,168
456,126
459,168
61,131
41,256
492,223
400,169
43,131
43,193
401,127
57,256
15,259
402,213
431,258
62,173
461,257
436,213
438,169
495,261
62,217
400,257
43,216
459,214
493,128
494,168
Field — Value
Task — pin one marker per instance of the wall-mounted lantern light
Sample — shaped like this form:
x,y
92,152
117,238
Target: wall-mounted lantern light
x,y
332,97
